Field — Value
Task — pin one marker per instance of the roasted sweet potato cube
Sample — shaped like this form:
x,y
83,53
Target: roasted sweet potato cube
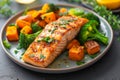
x,y
27,18
76,53
45,7
92,47
22,23
42,23
49,17
35,13
26,30
72,43
11,33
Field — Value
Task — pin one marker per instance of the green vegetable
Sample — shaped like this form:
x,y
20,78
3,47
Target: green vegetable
x,y
52,8
91,16
80,62
31,55
26,39
81,13
93,55
5,9
16,51
48,39
42,56
35,27
6,44
89,32
76,11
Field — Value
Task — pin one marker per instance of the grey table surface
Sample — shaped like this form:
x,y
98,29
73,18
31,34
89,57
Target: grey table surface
x,y
107,68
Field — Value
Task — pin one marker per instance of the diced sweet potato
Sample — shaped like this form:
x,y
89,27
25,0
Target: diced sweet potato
x,y
49,17
45,7
63,10
11,33
27,18
92,47
22,23
35,13
76,53
26,30
42,23
72,43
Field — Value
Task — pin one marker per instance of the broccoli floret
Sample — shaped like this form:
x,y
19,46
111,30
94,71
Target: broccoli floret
x,y
90,32
91,16
81,13
35,27
76,11
26,39
52,8
6,44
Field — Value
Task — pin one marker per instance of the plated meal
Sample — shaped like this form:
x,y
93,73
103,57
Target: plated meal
x,y
56,38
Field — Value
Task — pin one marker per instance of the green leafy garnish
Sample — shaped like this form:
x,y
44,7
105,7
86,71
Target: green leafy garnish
x,y
48,39
80,62
6,44
12,24
5,9
42,56
31,55
16,51
93,55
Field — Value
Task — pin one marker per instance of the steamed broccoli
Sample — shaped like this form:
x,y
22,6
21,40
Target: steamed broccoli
x,y
89,32
76,11
35,27
81,13
6,44
91,16
26,39
52,8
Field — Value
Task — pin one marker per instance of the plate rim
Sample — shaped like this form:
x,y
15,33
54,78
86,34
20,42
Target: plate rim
x,y
51,70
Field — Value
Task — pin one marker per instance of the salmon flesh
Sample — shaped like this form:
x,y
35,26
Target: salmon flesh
x,y
53,40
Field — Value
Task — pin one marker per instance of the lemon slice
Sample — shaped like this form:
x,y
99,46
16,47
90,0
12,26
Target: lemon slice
x,y
110,4
25,1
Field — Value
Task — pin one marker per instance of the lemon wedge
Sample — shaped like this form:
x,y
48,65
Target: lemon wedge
x,y
110,4
24,1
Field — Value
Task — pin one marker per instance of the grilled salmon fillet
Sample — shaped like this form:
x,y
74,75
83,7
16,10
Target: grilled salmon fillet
x,y
53,40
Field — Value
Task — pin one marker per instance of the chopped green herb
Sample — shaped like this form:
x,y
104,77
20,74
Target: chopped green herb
x,y
80,62
12,24
48,39
53,30
31,55
93,55
22,55
49,30
54,23
16,51
63,14
42,56
38,40
64,26
6,44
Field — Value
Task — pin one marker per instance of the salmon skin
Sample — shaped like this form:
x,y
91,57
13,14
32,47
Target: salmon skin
x,y
53,40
